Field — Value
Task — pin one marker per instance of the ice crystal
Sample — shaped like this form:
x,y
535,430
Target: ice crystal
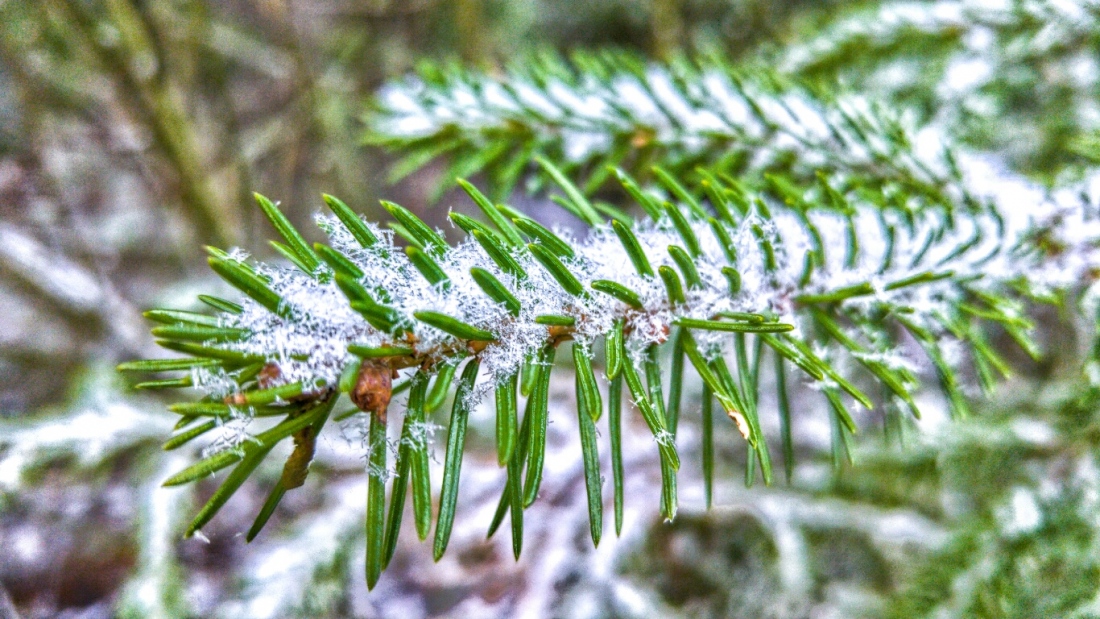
x,y
421,435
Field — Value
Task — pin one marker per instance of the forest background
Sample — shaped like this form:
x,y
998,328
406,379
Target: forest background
x,y
133,133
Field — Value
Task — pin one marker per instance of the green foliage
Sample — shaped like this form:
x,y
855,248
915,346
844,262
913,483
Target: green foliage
x,y
1015,81
1012,78
1016,549
739,224
595,112
804,316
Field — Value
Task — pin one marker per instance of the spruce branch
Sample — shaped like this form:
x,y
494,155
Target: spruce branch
x,y
597,111
831,279
1004,78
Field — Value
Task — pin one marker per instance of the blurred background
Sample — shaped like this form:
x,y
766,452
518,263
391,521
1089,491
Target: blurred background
x,y
132,133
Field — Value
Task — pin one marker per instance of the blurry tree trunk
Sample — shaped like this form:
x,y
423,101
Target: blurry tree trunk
x,y
135,67
667,27
472,36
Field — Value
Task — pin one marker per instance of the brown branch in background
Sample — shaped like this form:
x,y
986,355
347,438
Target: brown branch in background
x,y
471,31
132,63
667,26
210,71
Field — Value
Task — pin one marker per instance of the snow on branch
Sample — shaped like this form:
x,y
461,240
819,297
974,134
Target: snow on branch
x,y
612,109
824,277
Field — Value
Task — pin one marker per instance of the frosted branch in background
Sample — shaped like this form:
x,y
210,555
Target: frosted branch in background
x,y
610,109
1019,78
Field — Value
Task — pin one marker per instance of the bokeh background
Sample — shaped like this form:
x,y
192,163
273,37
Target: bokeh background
x,y
132,133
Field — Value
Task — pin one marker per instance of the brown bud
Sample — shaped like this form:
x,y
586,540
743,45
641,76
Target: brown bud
x,y
297,465
642,138
373,389
235,399
268,376
663,334
557,332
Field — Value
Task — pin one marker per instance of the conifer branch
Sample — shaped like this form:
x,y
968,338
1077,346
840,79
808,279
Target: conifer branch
x,y
1004,77
594,112
825,280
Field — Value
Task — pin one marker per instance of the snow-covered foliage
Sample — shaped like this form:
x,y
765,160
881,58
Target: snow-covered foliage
x,y
992,516
310,346
614,109
826,276
98,431
1019,77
